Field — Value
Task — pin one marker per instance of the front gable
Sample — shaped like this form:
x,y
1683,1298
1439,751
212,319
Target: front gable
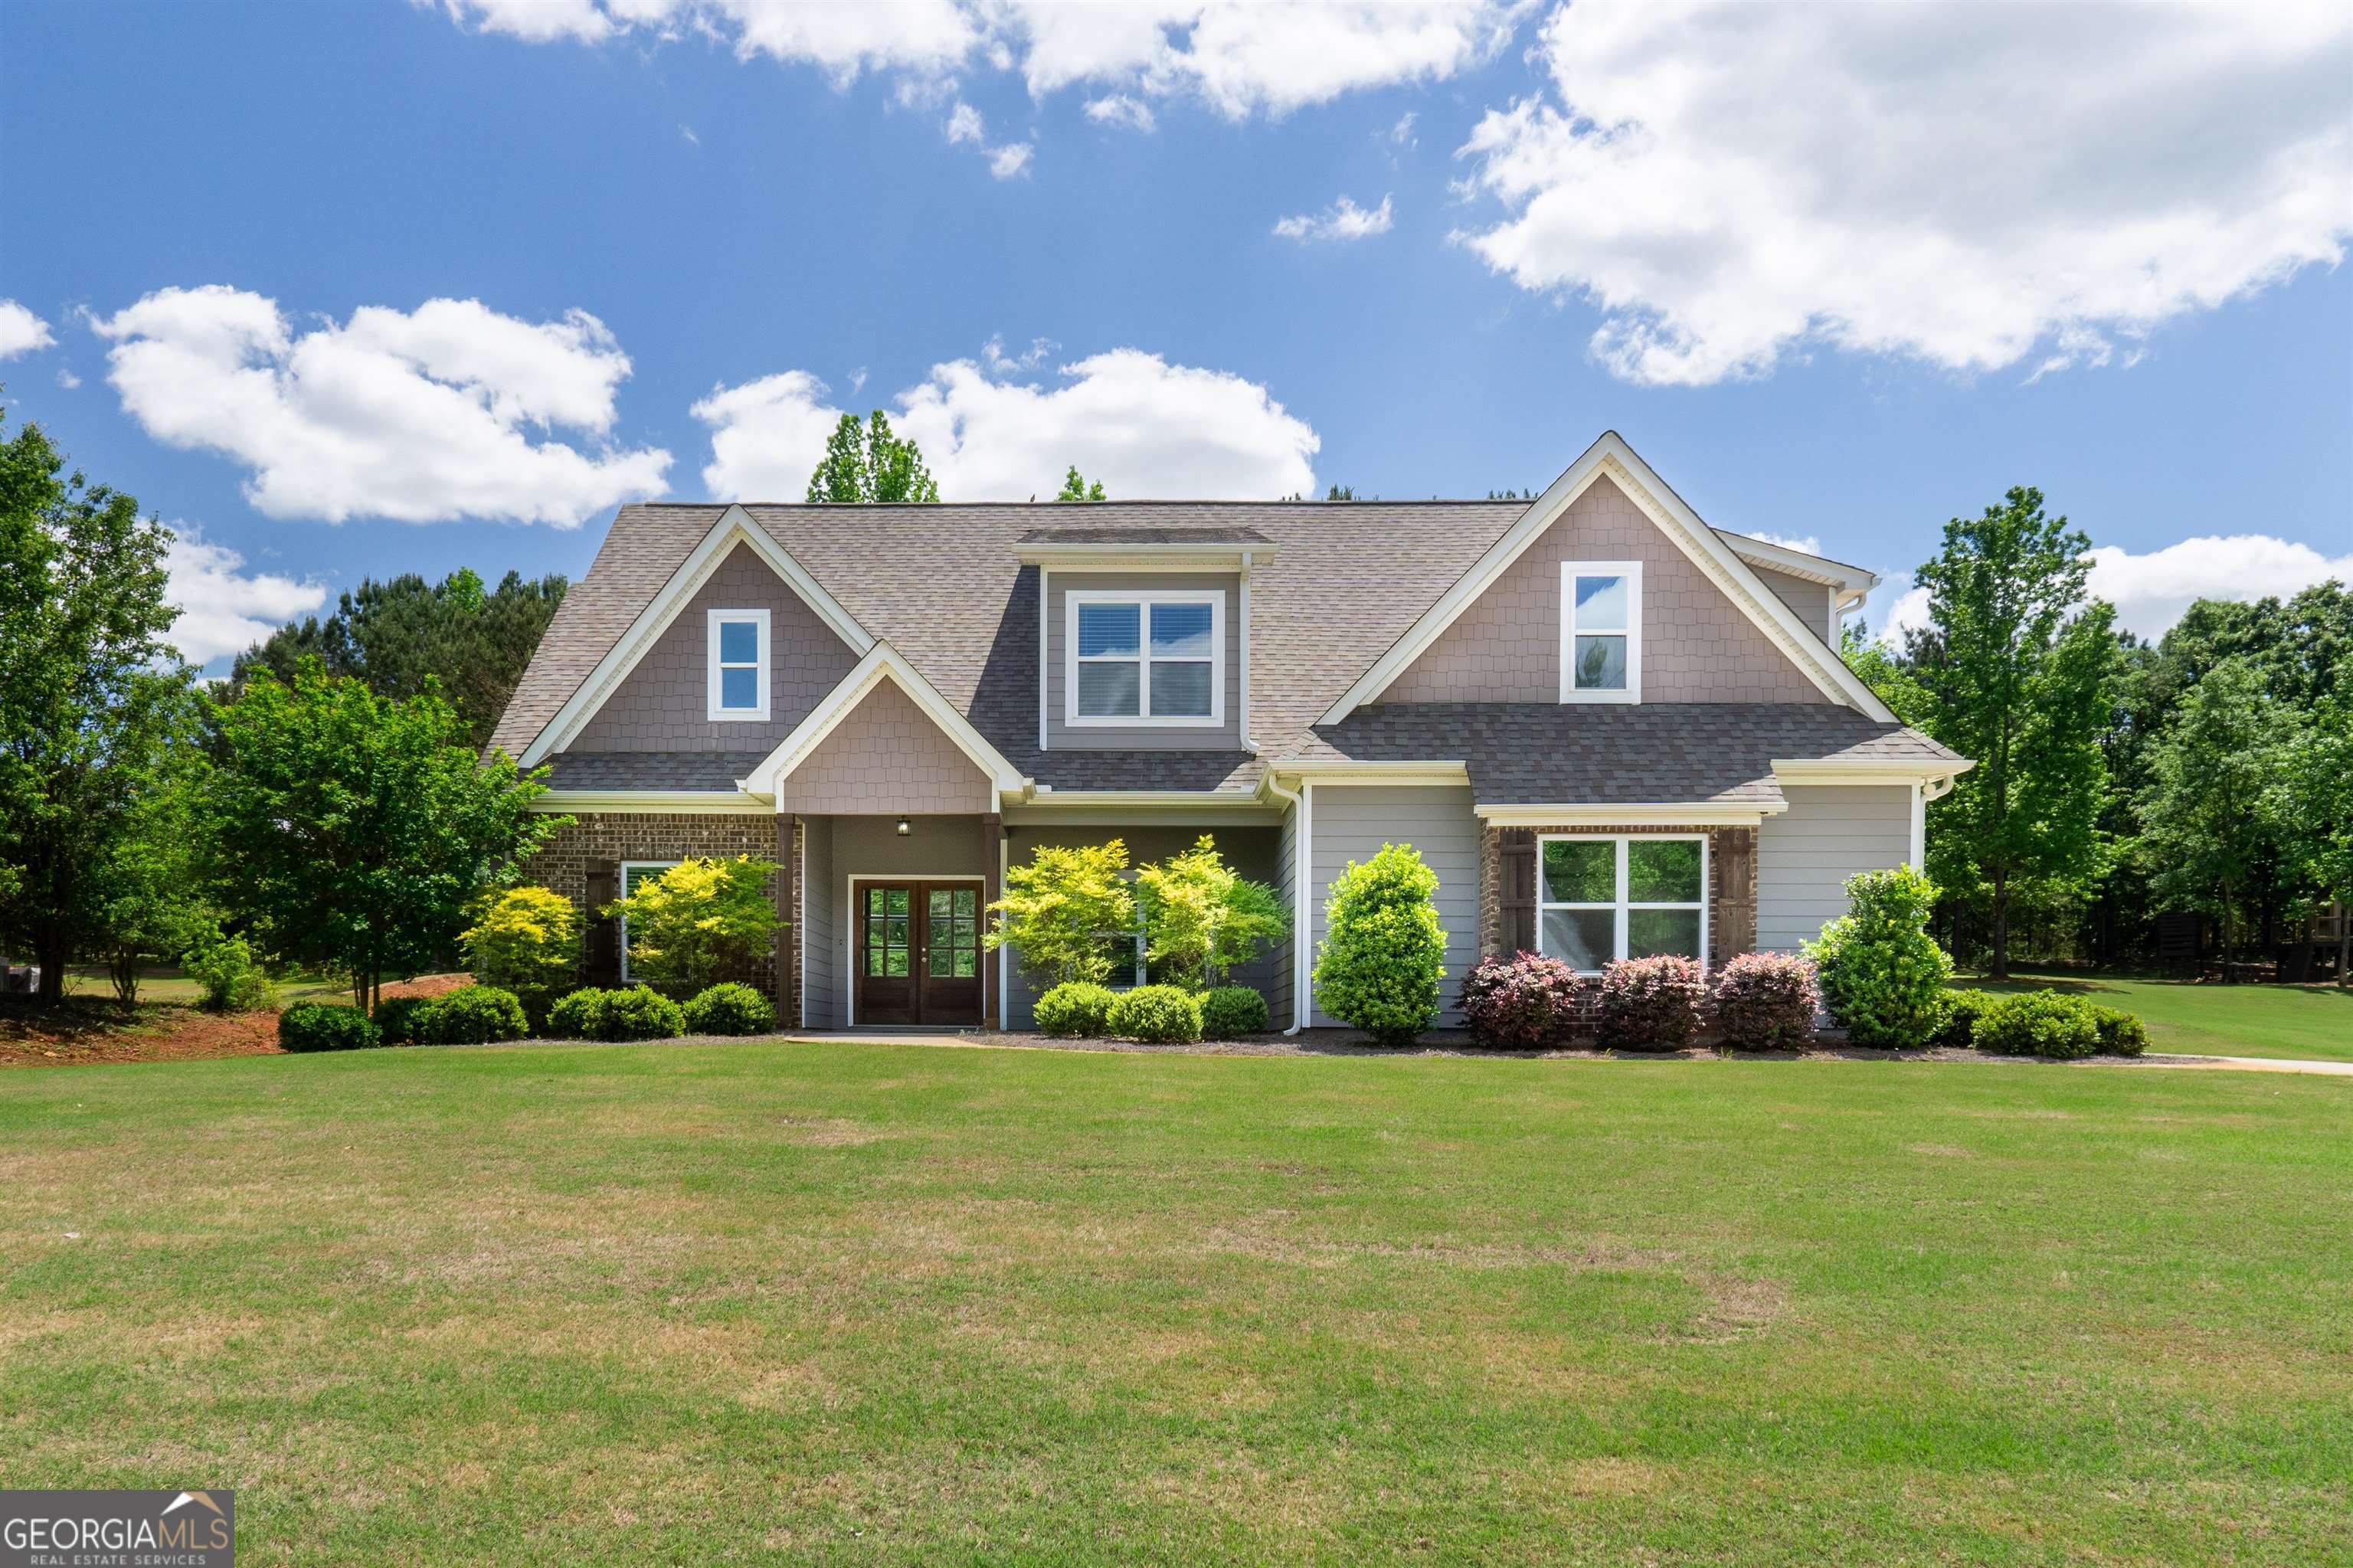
x,y
886,757
1697,646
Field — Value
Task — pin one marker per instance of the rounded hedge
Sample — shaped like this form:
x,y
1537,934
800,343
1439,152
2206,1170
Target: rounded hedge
x,y
1157,1014
1651,1004
1957,1029
473,1015
1231,1012
2039,1024
325,1027
1881,974
637,1013
1767,1001
1384,952
579,1015
1075,1010
729,1008
1525,1002
2121,1034
403,1019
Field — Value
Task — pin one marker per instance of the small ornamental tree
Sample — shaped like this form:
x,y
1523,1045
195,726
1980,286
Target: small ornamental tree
x,y
1881,974
526,940
1385,955
1063,911
1201,919
697,919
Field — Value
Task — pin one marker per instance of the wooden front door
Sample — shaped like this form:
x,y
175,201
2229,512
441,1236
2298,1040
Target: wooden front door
x,y
919,952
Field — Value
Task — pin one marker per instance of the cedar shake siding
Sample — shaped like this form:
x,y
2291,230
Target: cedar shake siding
x,y
886,757
659,706
1697,645
1804,854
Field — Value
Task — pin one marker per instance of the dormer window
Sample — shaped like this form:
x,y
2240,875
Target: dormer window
x,y
738,685
1144,658
1601,632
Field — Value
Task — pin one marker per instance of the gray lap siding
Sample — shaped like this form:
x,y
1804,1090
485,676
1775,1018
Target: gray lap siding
x,y
1351,821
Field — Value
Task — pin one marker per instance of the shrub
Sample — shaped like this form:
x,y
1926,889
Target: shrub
x,y
579,1016
473,1015
224,969
325,1027
1767,1001
1060,911
1957,1029
1074,1010
1651,1004
640,1014
1201,919
2039,1024
405,1020
1231,1012
526,940
1527,1002
729,1008
698,918
1881,973
1159,1014
1380,965
2122,1034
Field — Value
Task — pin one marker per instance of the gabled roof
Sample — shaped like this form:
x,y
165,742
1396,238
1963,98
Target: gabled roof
x,y
882,664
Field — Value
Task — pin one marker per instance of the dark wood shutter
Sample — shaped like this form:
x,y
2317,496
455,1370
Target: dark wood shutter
x,y
1733,929
604,946
1519,891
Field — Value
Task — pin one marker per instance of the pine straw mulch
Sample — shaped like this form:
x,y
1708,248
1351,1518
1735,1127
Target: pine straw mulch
x,y
84,1030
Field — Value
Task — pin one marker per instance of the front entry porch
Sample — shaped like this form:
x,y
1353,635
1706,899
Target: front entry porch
x,y
916,951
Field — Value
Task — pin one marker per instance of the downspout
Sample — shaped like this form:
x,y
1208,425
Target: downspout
x,y
1299,861
1242,727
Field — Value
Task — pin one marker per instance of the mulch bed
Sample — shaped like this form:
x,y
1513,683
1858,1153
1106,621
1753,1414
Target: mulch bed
x,y
86,1030
1436,1042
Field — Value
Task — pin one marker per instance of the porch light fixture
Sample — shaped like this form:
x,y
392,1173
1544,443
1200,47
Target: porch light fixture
x,y
905,827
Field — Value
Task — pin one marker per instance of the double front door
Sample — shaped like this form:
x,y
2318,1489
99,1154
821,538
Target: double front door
x,y
918,952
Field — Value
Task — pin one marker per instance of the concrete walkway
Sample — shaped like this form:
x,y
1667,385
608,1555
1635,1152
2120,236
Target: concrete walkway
x,y
2253,1064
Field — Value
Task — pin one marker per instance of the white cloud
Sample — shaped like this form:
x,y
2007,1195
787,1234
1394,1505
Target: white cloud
x,y
1401,133
67,379
1240,56
1344,221
21,332
1010,160
419,417
1908,611
2151,591
1119,109
1804,544
222,609
999,362
1730,184
1143,427
964,125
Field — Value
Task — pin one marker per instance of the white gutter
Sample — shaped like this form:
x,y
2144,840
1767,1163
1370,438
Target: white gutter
x,y
1300,863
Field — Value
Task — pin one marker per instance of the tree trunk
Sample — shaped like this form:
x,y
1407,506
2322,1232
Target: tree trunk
x,y
2344,941
125,967
51,955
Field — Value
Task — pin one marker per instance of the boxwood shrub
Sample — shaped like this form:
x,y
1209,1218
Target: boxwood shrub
x,y
633,1013
730,1008
473,1015
2039,1024
403,1019
1957,1030
325,1027
1651,1004
1075,1010
1229,1012
1384,955
1881,974
1767,1001
1158,1014
579,1015
2122,1034
1525,1002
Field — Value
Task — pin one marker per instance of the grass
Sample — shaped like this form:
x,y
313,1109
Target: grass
x,y
869,1303
2311,1021
172,985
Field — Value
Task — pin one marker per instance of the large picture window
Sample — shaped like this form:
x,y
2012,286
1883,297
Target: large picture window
x,y
1633,897
1145,657
1601,632
738,665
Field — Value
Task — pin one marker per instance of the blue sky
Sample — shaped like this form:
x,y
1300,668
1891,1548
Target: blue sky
x,y
823,212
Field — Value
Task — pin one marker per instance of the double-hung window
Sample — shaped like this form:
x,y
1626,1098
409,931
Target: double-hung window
x,y
1144,658
1633,897
738,683
1601,632
635,874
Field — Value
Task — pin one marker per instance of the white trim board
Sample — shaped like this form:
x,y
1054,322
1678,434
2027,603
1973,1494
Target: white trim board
x,y
735,526
703,802
1664,814
881,663
1146,600
714,669
1610,457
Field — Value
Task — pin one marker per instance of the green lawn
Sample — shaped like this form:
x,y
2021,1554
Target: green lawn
x,y
2311,1021
174,985
868,1303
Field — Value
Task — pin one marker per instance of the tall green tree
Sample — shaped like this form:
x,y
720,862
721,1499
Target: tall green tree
x,y
1077,489
2311,799
94,702
353,830
2016,668
868,465
2208,830
150,882
1887,672
396,635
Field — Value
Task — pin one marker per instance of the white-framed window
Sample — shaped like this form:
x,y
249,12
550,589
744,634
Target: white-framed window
x,y
1132,658
635,874
1634,896
738,645
1601,632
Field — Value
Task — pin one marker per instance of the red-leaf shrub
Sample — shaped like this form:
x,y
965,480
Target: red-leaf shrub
x,y
1767,1001
1527,1002
1651,1004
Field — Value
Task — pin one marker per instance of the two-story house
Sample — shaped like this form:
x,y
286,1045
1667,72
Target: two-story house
x,y
1611,729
